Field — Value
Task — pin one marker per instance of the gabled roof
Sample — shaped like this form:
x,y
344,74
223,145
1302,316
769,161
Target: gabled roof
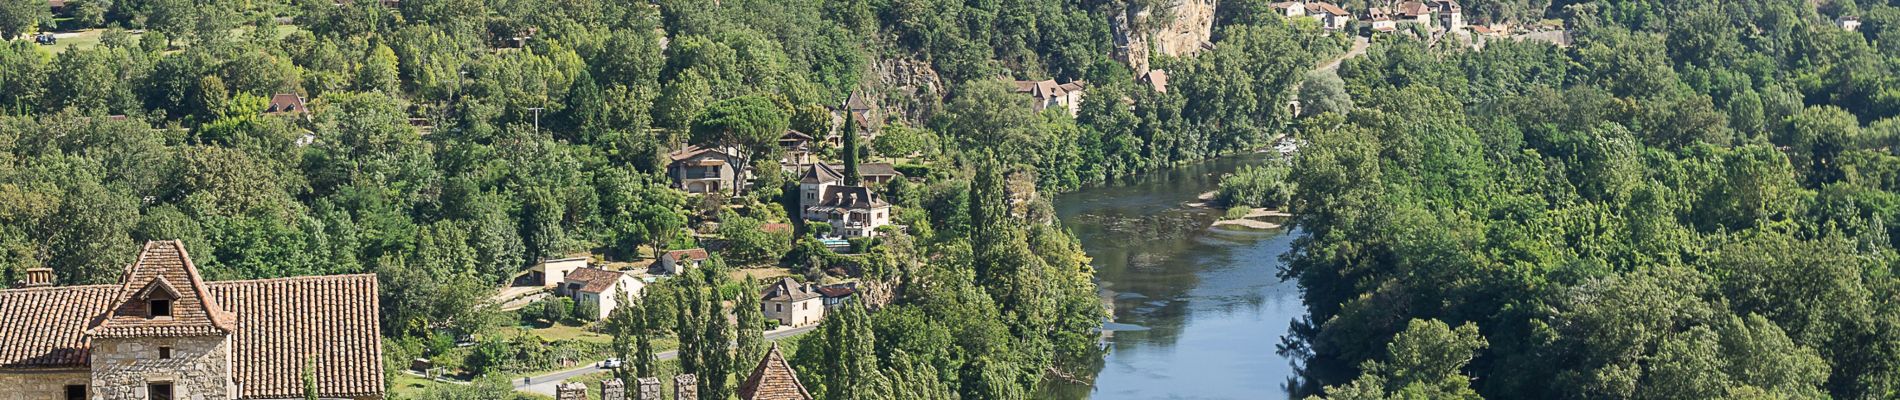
x,y
820,173
856,103
286,103
691,152
1156,79
685,255
836,291
281,327
1330,8
594,280
1413,8
787,289
794,135
163,269
773,379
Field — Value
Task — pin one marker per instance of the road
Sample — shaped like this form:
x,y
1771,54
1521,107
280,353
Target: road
x,y
544,384
1359,45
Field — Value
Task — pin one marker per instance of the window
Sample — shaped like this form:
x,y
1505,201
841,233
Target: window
x,y
778,308
808,306
161,308
164,353
75,392
158,391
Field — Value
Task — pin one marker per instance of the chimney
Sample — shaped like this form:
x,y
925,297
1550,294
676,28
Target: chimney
x,y
649,389
38,277
570,391
685,387
613,389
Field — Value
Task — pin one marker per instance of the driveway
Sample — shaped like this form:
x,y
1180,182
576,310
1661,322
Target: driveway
x,y
544,384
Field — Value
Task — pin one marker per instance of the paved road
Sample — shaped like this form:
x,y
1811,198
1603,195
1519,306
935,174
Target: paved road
x,y
544,384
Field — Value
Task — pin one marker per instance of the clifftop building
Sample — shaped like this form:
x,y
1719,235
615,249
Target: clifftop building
x,y
165,333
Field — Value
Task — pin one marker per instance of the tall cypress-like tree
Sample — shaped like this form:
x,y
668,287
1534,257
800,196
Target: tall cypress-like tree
x,y
716,362
751,342
851,177
851,351
688,323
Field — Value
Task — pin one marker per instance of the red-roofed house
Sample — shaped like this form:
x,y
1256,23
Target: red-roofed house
x,y
1049,94
286,103
163,332
599,290
1331,17
677,261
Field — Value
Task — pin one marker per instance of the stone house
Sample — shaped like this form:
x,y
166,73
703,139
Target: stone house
x,y
1450,15
852,211
796,147
1156,80
1048,94
1848,23
1290,9
1380,19
677,261
1415,11
599,290
704,170
163,332
1331,16
793,304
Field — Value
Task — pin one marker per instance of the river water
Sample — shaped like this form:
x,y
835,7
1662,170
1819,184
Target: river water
x,y
1198,312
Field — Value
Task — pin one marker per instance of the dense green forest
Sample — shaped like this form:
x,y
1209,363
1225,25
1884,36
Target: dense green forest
x,y
452,143
1689,202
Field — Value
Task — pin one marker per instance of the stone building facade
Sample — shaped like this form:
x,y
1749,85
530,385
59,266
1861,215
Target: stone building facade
x,y
165,333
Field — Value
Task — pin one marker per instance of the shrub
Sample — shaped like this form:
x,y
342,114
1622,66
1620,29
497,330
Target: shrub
x,y
1263,186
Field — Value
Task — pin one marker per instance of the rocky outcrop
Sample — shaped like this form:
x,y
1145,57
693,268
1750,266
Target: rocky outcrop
x,y
1185,28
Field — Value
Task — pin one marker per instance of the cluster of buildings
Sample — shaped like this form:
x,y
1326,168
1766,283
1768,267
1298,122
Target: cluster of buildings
x,y
771,379
164,333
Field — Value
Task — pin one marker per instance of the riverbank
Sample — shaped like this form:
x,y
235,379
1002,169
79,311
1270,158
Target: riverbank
x,y
1253,219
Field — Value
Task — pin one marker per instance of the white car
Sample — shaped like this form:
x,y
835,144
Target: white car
x,y
610,363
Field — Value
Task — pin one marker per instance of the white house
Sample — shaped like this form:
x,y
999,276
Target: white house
x,y
552,272
599,289
677,261
1048,94
1290,9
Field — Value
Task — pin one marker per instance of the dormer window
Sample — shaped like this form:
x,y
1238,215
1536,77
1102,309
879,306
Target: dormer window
x,y
161,308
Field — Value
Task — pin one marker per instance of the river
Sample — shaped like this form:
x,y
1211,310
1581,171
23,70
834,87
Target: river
x,y
1198,312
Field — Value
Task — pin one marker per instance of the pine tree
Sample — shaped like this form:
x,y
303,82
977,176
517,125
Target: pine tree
x,y
851,177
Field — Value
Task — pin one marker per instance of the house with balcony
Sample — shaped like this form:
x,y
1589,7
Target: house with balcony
x,y
852,211
702,170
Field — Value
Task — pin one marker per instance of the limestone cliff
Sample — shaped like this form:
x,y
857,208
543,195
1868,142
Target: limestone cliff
x,y
1183,29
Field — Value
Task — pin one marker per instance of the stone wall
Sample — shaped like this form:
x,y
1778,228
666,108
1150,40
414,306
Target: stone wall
x,y
199,368
40,385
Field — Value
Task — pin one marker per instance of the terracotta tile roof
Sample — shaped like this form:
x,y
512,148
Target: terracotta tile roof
x,y
288,323
773,379
1413,9
163,271
46,327
281,326
1330,8
787,289
286,103
685,255
836,291
594,280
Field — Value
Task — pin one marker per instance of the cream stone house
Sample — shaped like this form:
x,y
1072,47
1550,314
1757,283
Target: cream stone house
x,y
793,304
600,289
164,333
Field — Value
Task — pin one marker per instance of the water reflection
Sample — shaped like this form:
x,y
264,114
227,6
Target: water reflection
x,y
1210,302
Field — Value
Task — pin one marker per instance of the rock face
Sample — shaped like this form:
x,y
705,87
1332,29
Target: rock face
x,y
1188,28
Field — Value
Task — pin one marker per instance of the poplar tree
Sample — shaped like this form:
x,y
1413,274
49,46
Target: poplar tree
x,y
851,177
751,342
